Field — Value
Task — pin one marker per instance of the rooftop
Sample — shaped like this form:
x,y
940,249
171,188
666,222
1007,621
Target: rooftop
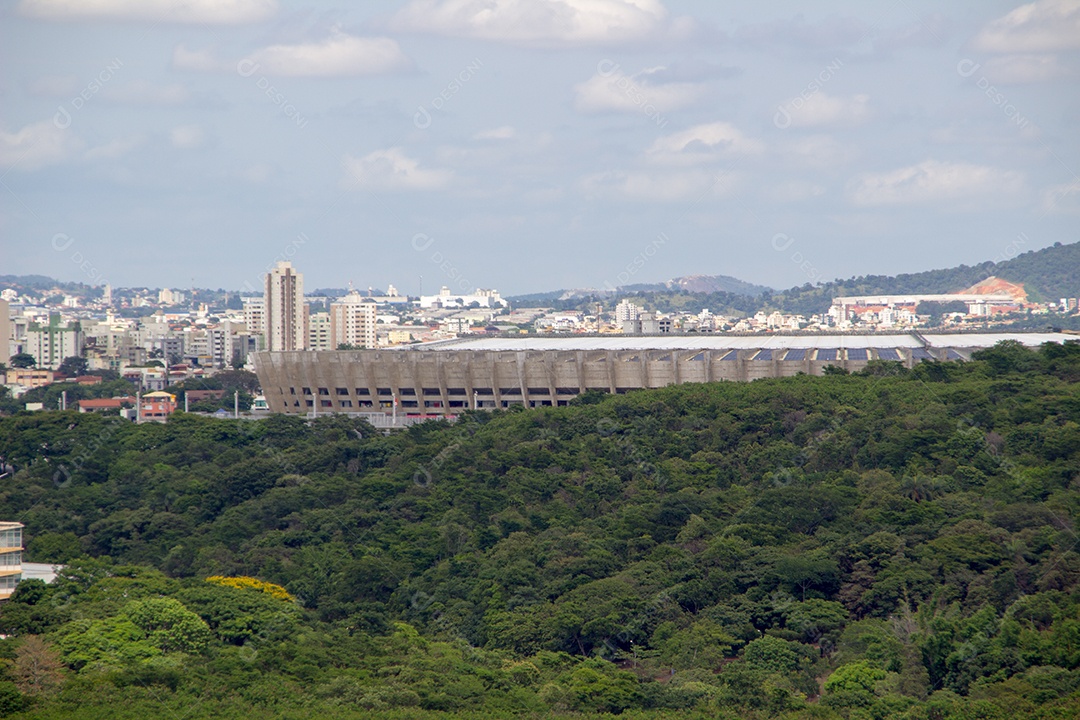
x,y
694,341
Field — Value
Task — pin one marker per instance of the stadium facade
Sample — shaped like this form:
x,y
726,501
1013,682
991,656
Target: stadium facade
x,y
444,378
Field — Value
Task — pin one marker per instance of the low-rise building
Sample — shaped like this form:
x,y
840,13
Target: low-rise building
x,y
29,377
105,404
157,406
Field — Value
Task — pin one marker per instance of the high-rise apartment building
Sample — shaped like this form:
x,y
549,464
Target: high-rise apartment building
x,y
319,331
352,322
5,331
284,309
51,343
626,310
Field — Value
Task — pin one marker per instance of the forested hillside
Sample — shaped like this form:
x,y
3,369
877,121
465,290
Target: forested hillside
x,y
1047,275
889,544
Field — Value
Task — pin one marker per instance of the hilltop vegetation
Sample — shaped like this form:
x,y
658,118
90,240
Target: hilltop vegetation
x,y
889,544
1047,275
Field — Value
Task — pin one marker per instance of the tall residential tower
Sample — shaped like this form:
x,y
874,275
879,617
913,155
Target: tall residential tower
x,y
285,314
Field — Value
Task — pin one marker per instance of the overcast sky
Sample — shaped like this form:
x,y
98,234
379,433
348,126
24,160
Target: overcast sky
x,y
531,145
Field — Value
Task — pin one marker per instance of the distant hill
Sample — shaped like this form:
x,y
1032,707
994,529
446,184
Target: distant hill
x,y
1046,274
693,284
40,282
702,284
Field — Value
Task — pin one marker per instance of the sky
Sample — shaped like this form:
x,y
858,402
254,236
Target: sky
x,y
532,145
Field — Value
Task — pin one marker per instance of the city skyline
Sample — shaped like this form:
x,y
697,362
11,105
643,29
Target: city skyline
x,y
544,145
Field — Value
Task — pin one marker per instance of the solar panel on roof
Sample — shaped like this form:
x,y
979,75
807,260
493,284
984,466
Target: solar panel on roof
x,y
733,355
921,354
888,354
796,354
764,355
826,354
951,354
856,354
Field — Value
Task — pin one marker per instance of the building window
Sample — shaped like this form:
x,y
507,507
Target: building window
x,y
432,391
362,391
11,538
384,391
326,403
324,391
408,391
346,403
306,391
292,391
342,391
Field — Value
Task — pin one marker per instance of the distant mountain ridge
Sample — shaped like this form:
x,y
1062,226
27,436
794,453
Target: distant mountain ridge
x,y
1047,274
688,284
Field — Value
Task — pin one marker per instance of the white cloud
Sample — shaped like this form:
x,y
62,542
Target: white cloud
x,y
60,86
536,22
821,151
391,169
1037,27
36,146
339,54
257,173
500,133
702,143
142,92
933,181
1027,68
187,137
796,190
114,149
1062,199
203,60
200,12
820,109
679,186
619,92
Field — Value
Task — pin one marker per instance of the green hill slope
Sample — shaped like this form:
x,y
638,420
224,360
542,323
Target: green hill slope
x,y
1047,275
903,540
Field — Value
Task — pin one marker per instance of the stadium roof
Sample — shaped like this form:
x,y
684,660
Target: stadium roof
x,y
695,341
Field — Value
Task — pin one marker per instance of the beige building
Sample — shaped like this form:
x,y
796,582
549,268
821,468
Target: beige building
x,y
352,322
284,308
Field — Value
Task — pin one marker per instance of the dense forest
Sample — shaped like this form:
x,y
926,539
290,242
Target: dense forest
x,y
1047,275
894,543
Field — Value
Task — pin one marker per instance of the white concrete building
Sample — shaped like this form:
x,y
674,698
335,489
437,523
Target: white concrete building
x,y
352,321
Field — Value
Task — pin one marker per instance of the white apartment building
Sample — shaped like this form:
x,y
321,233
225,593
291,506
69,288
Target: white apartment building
x,y
352,321
319,332
52,342
626,310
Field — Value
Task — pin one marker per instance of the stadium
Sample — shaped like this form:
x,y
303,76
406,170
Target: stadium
x,y
443,378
